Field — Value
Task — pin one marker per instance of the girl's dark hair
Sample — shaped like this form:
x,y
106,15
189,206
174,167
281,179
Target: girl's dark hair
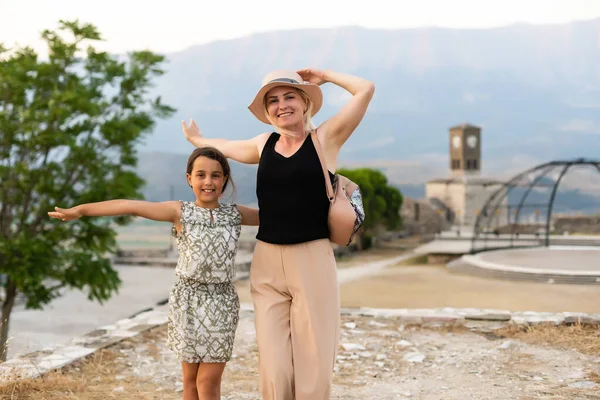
x,y
213,154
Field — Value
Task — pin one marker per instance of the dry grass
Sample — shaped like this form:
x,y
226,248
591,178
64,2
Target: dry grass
x,y
581,337
594,377
75,382
416,260
93,378
366,256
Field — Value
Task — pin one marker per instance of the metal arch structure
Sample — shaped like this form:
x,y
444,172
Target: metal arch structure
x,y
488,224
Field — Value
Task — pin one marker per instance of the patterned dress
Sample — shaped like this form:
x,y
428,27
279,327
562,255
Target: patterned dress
x,y
203,303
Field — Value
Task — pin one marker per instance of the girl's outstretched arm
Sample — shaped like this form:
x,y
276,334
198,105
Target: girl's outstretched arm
x,y
249,215
167,211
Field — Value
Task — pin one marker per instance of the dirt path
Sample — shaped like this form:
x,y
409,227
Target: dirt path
x,y
435,286
371,280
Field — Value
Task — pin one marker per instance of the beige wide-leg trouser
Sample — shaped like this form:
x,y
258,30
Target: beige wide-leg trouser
x,y
297,316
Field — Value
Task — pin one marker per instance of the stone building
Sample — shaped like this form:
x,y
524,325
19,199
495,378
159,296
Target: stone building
x,y
464,192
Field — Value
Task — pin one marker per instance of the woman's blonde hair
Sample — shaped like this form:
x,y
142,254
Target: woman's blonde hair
x,y
306,117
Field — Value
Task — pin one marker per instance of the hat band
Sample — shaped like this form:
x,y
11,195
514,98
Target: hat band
x,y
286,80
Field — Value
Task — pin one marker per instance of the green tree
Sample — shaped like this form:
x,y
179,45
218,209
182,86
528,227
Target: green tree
x,y
382,202
69,126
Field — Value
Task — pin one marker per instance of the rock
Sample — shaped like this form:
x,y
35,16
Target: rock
x,y
357,332
379,364
365,354
488,317
380,357
389,333
484,326
414,357
440,319
377,324
119,389
583,385
576,320
404,343
506,344
350,325
352,346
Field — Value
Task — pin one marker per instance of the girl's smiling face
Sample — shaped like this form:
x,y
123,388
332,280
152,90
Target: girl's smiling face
x,y
207,180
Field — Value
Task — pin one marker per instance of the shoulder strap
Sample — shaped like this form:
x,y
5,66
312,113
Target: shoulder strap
x,y
273,138
328,187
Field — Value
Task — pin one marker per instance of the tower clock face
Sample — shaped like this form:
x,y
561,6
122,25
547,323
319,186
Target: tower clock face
x,y
456,142
472,141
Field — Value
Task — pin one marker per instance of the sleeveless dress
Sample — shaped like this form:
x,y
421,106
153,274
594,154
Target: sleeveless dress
x,y
203,303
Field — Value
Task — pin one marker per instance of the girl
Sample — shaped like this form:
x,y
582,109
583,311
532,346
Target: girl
x,y
203,303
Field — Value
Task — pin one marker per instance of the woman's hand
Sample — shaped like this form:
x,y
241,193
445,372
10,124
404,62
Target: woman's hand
x,y
311,75
65,214
192,132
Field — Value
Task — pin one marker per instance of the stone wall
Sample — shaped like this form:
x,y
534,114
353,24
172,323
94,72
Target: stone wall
x,y
418,217
520,229
581,224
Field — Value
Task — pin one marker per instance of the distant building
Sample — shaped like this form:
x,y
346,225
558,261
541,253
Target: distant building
x,y
421,217
462,195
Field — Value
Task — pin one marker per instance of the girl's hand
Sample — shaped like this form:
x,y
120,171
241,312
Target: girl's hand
x,y
192,131
311,75
65,214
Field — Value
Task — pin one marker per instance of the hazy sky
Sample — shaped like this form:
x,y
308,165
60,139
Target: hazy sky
x,y
172,25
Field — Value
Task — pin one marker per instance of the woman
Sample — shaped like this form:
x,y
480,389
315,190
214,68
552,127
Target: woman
x,y
293,274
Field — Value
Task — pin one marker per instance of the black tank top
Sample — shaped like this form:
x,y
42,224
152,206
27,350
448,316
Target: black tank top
x,y
292,201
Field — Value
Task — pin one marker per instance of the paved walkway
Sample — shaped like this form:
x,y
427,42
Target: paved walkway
x,y
74,315
347,275
571,260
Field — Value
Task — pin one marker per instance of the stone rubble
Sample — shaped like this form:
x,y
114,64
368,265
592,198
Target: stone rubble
x,y
383,354
383,358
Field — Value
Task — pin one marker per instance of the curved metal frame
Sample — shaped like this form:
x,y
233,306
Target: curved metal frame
x,y
493,203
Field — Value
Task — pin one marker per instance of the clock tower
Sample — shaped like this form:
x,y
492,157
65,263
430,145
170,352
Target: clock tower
x,y
465,150
462,196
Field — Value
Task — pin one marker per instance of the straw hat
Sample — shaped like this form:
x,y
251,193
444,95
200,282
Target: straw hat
x,y
284,78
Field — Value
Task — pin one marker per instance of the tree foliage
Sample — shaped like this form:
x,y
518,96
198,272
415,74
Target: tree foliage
x,y
69,126
382,202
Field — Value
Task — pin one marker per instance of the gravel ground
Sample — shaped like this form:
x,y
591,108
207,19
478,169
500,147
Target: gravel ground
x,y
381,359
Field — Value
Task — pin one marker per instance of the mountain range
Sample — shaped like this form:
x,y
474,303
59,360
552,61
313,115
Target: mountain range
x,y
533,89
